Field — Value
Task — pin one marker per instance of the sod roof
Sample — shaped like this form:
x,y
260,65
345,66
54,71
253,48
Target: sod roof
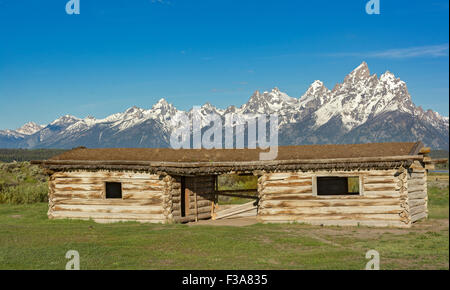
x,y
302,152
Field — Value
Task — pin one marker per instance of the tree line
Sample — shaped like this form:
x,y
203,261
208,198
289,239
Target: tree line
x,y
10,155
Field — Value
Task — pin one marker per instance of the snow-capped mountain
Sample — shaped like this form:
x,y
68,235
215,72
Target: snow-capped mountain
x,y
363,108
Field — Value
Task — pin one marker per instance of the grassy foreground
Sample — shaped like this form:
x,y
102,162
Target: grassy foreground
x,y
28,240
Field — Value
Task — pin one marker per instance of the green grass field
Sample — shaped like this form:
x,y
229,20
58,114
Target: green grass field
x,y
28,240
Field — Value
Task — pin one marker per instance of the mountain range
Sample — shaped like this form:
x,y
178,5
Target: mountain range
x,y
363,108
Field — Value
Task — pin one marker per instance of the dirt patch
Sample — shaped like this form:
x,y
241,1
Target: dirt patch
x,y
234,222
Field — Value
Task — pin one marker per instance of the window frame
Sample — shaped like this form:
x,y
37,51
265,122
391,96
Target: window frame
x,y
361,184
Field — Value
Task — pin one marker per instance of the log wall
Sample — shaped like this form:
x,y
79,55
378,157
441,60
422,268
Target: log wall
x,y
201,195
417,192
291,197
81,195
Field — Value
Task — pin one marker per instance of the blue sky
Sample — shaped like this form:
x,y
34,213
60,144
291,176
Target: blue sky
x,y
117,54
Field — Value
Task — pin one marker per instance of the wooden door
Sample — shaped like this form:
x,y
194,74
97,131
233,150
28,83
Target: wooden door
x,y
187,197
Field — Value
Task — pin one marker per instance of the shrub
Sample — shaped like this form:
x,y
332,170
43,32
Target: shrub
x,y
24,194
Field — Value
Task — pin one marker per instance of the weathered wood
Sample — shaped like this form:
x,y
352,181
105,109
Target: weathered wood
x,y
106,174
116,202
424,150
417,209
329,217
335,210
418,216
416,202
88,208
97,215
329,203
381,187
287,190
381,193
417,195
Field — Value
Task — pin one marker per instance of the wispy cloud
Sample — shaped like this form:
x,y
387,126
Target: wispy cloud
x,y
161,2
410,52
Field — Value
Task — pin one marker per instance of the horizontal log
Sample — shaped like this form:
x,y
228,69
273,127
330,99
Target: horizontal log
x,y
381,187
412,183
417,195
116,202
417,209
418,216
142,194
337,210
329,203
106,174
147,210
389,193
94,215
287,190
380,180
78,194
325,197
417,175
414,188
381,173
285,176
289,183
322,217
111,220
416,202
98,180
78,187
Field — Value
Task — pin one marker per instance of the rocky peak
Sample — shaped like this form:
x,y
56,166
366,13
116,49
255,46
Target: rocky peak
x,y
360,73
29,128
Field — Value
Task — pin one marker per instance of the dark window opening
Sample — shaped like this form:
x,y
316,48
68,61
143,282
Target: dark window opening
x,y
113,190
338,185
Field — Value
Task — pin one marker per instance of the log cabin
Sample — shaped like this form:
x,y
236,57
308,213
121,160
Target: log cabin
x,y
375,184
